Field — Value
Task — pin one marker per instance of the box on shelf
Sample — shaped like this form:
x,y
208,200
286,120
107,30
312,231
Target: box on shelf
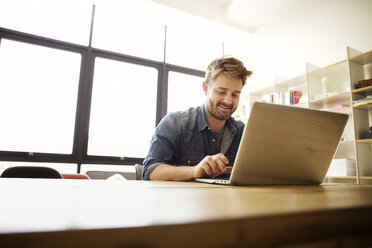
x,y
364,83
342,167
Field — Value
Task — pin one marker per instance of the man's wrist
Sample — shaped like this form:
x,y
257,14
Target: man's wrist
x,y
166,172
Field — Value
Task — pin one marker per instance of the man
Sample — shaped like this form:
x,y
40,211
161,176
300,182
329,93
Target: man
x,y
202,141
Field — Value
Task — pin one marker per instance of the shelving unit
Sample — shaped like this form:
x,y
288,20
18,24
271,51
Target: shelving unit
x,y
361,69
334,88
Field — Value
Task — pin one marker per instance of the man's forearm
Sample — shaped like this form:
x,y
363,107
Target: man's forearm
x,y
165,172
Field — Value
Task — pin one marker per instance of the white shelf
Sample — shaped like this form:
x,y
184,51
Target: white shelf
x,y
342,98
331,70
363,59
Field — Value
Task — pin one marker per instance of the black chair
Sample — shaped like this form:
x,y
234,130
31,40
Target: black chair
x,y
31,172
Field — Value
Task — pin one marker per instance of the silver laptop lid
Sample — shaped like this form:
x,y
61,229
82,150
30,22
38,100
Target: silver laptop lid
x,y
287,145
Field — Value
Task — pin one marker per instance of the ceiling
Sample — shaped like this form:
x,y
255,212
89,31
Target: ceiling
x,y
247,15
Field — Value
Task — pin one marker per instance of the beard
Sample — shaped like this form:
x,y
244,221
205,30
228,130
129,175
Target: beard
x,y
215,113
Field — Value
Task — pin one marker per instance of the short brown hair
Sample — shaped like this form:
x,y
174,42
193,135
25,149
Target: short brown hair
x,y
231,66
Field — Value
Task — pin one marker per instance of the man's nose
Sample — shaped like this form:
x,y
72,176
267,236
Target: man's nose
x,y
228,99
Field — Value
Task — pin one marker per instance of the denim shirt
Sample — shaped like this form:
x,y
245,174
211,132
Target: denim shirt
x,y
184,138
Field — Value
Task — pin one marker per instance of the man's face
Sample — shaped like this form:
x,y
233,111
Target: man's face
x,y
223,95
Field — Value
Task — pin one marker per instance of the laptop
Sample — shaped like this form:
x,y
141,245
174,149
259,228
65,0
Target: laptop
x,y
285,145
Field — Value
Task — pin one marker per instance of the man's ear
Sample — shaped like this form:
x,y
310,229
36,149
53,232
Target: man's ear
x,y
205,87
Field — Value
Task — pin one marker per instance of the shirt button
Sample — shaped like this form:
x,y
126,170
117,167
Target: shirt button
x,y
214,140
188,161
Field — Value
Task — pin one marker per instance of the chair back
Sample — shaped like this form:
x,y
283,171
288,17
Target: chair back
x,y
31,172
74,176
103,175
138,169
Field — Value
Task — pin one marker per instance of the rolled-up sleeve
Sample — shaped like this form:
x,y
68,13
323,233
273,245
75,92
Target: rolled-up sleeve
x,y
164,145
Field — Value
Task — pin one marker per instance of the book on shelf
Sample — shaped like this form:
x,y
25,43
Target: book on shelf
x,y
295,96
361,102
280,97
335,107
289,98
269,98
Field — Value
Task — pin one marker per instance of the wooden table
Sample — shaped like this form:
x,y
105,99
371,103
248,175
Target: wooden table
x,y
101,213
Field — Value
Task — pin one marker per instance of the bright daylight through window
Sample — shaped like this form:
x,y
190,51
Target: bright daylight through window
x,y
38,94
123,109
184,91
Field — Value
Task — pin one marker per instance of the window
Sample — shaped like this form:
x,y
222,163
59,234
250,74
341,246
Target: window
x,y
38,94
135,29
184,91
63,20
123,109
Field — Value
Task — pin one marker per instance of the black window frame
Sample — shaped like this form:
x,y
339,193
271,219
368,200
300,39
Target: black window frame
x,y
88,54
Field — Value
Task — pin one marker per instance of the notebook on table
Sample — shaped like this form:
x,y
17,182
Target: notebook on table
x,y
285,145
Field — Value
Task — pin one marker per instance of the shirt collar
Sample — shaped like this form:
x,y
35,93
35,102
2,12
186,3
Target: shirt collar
x,y
202,120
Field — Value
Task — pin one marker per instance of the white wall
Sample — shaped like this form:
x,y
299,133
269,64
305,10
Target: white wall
x,y
318,35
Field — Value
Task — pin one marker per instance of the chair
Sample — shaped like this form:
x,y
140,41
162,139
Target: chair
x,y
74,176
137,175
138,169
103,175
31,172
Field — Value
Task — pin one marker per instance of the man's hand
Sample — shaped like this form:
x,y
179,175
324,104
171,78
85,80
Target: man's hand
x,y
212,166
